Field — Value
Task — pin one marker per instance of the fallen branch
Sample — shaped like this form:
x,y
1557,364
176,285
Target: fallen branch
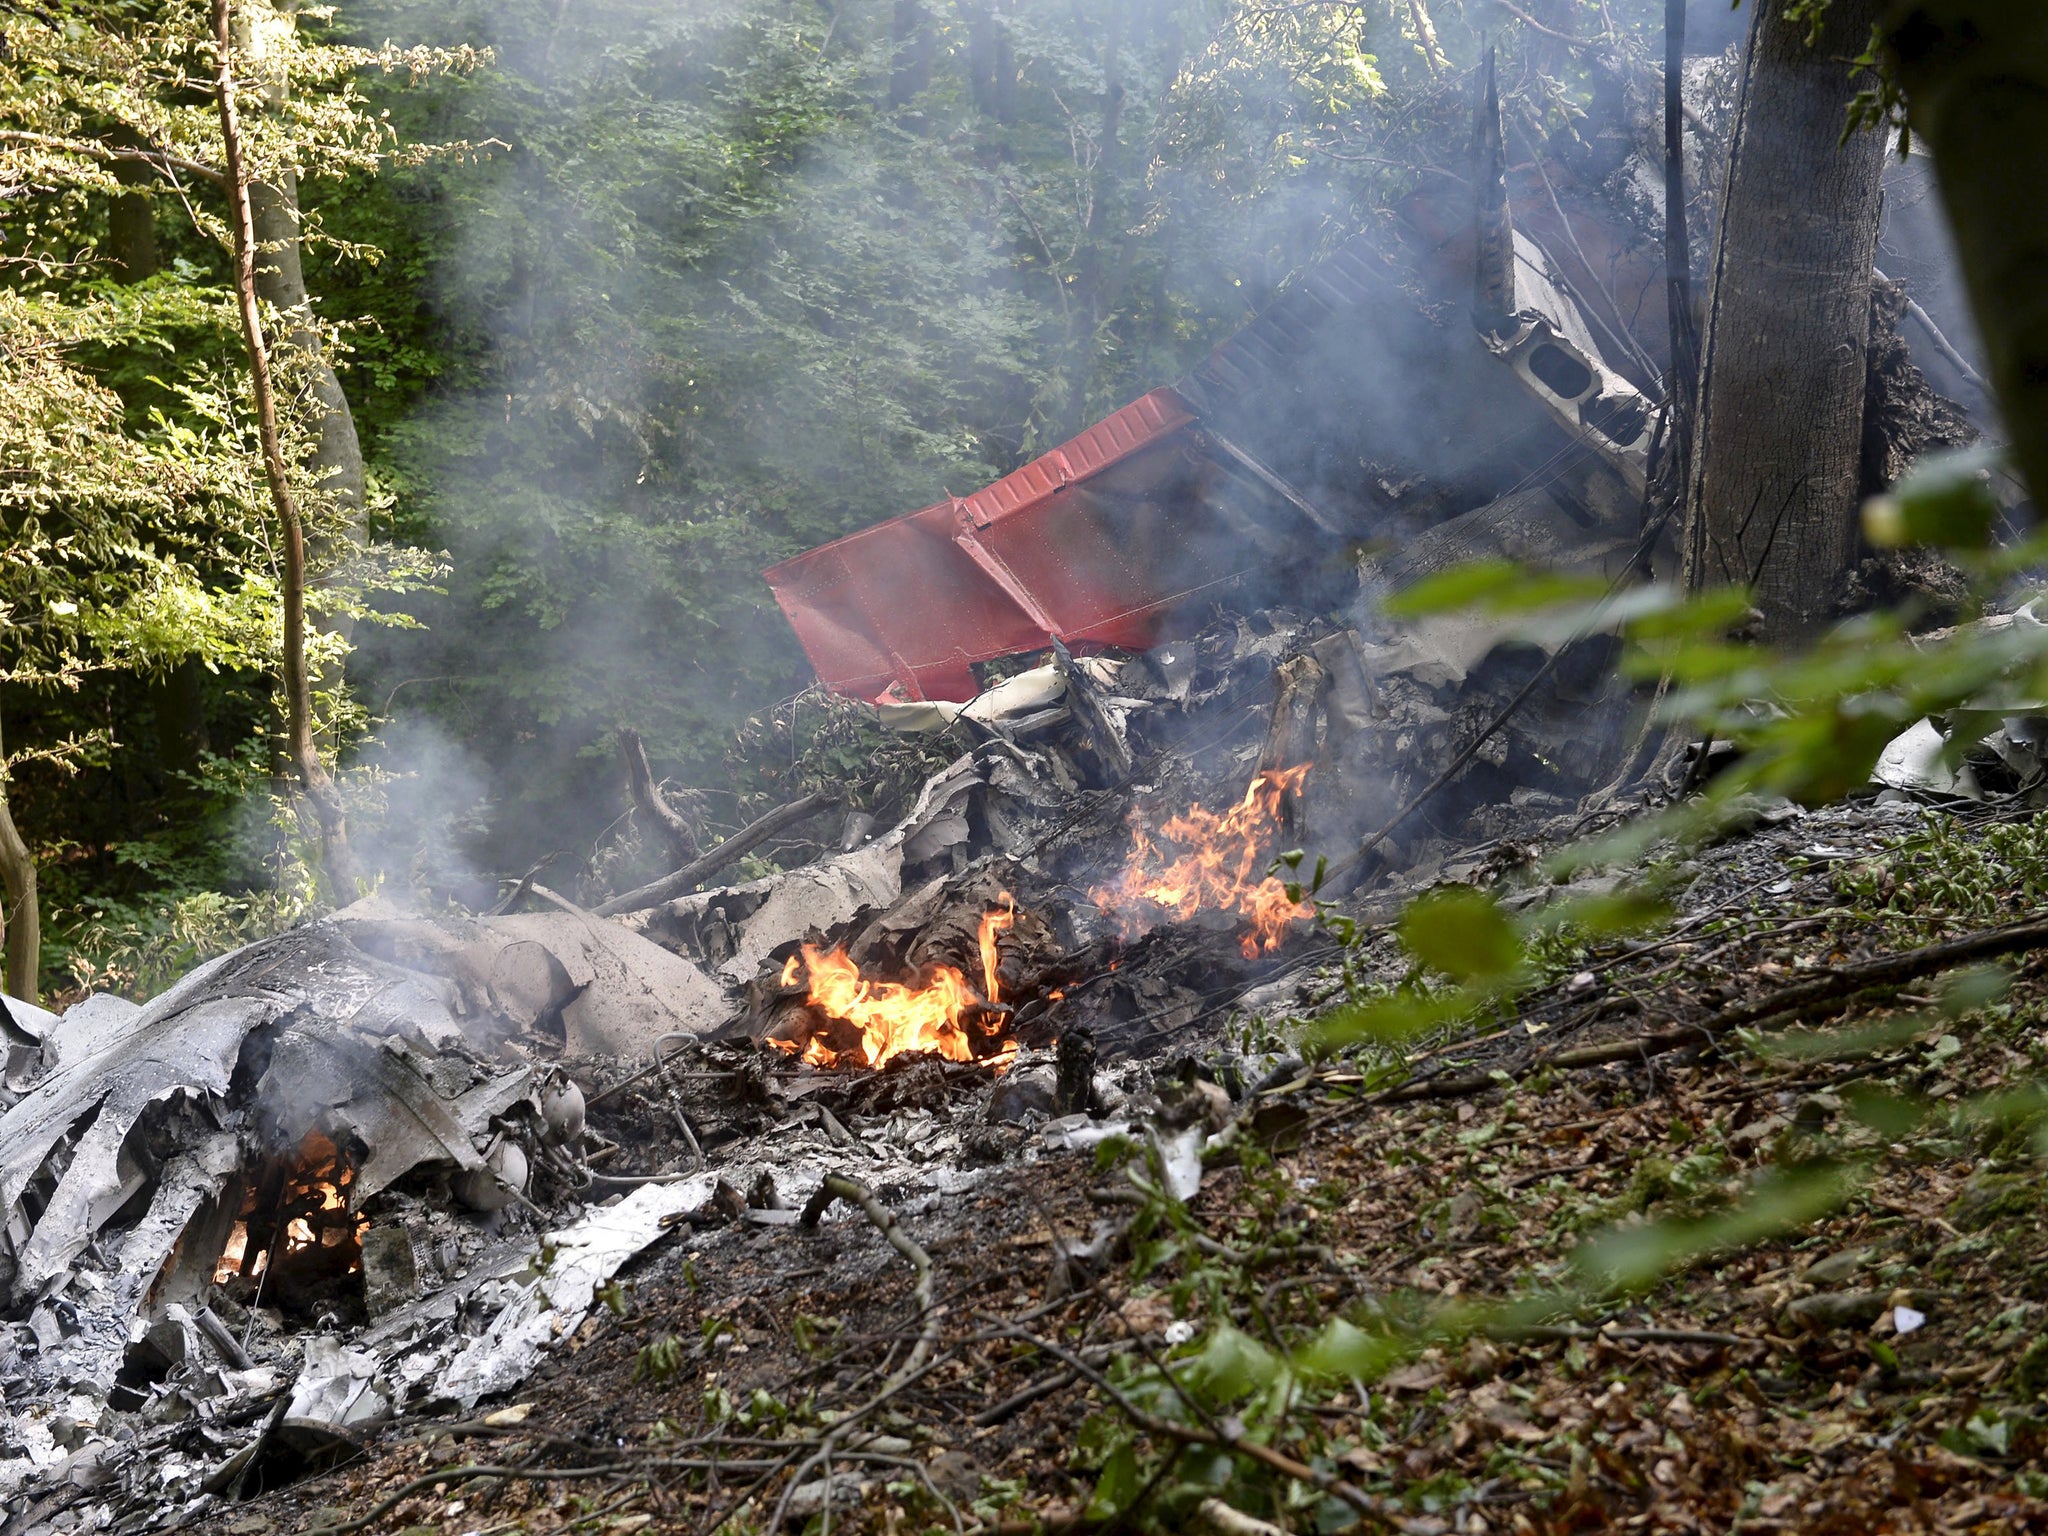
x,y
748,837
1045,1386
1835,985
1651,531
651,802
518,892
839,1186
1565,1333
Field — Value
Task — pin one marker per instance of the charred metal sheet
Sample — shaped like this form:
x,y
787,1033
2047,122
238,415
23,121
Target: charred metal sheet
x,y
1493,268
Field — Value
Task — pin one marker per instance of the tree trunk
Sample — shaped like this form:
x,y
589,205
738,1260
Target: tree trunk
x,y
177,699
263,35
131,220
1685,342
1975,74
914,43
337,861
1776,454
22,920
1094,283
981,55
337,457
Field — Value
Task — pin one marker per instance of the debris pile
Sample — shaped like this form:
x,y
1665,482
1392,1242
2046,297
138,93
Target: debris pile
x,y
384,1162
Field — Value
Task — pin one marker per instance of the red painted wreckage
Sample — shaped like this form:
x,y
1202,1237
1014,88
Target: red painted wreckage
x,y
1094,543
1069,545
1344,383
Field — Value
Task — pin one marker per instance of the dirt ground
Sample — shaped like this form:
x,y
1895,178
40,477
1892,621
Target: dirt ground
x,y
1882,1368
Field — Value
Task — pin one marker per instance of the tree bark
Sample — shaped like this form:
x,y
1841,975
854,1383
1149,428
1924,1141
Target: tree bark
x,y
337,861
1776,453
22,920
336,461
337,457
1683,325
752,835
131,220
1975,73
177,698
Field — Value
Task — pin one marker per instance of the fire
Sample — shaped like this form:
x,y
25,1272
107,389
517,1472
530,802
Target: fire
x,y
894,1018
1217,868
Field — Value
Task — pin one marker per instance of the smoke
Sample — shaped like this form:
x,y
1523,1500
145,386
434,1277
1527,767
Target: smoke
x,y
423,814
753,275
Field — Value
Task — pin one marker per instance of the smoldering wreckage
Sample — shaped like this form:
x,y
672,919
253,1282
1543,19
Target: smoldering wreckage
x,y
383,1163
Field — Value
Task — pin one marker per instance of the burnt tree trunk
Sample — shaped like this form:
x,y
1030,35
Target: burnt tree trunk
x,y
1975,74
1776,453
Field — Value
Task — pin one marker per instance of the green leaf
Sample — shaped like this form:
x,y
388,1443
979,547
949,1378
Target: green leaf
x,y
1345,1352
1460,587
1630,1258
1116,1486
1945,500
1462,933
1229,1365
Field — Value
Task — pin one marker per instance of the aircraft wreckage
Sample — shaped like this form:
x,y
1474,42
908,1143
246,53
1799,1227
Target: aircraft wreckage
x,y
384,1162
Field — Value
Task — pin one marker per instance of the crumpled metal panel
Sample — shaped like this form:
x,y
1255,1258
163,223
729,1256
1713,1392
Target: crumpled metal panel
x,y
1051,549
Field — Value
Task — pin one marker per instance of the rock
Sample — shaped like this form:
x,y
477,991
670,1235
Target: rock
x,y
842,1490
1836,1267
1839,1309
1989,1197
882,1445
1815,1111
1020,1095
1213,1517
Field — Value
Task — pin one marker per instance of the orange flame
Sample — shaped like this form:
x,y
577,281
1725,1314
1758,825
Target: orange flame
x,y
1218,869
997,920
894,1018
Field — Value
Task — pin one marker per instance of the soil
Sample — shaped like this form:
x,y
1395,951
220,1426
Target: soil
x,y
1879,1369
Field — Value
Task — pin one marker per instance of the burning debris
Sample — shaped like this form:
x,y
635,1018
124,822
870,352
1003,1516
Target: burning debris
x,y
1220,866
887,1019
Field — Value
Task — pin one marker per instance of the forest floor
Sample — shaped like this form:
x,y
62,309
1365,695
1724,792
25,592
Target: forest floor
x,y
1881,1368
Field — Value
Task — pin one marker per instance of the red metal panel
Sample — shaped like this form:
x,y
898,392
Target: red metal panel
x,y
914,601
1145,421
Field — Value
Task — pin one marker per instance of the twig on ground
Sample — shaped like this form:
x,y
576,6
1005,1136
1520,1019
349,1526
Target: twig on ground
x,y
1836,985
839,1186
1564,1333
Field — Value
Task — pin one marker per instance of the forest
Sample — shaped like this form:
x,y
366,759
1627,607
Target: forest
x,y
1023,766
